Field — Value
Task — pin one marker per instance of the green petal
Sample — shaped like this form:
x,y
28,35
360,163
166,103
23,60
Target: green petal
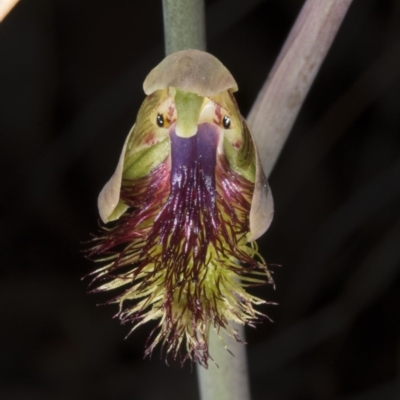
x,y
109,197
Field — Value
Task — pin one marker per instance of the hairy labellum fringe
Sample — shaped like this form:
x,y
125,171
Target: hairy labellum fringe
x,y
181,250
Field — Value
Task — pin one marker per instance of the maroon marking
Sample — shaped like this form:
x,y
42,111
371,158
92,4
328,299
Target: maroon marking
x,y
218,114
237,144
150,139
171,110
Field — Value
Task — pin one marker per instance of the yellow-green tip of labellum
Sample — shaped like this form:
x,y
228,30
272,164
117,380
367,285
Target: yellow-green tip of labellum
x,y
188,199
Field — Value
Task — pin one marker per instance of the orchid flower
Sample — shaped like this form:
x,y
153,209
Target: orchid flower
x,y
183,209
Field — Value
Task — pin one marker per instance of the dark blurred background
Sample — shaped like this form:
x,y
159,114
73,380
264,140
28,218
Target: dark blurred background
x,y
70,87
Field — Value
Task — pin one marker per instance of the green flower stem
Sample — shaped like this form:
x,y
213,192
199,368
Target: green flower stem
x,y
227,377
184,25
184,28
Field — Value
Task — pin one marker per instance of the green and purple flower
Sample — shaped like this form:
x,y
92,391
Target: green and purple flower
x,y
188,199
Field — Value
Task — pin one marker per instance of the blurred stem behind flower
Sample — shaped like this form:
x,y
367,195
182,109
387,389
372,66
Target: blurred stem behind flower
x,y
188,199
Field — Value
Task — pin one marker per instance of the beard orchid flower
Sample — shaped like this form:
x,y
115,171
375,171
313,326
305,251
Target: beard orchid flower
x,y
183,209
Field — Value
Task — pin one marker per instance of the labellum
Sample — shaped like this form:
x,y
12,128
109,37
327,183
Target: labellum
x,y
188,199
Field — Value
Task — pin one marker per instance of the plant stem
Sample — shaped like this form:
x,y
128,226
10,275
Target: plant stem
x,y
283,93
184,25
184,28
227,377
5,7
